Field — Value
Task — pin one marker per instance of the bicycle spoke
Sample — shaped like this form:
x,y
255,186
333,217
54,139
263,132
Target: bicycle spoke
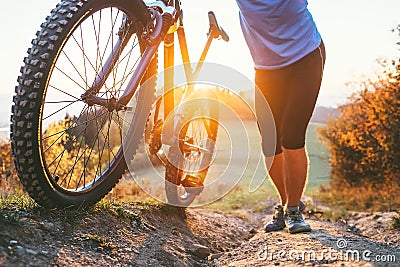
x,y
84,57
108,137
77,159
55,112
62,154
61,101
65,148
117,121
97,36
110,37
75,68
63,131
86,161
207,126
58,164
123,80
70,78
100,157
55,88
109,148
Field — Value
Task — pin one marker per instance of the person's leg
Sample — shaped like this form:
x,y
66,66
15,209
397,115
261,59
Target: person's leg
x,y
277,175
296,169
271,86
302,95
270,98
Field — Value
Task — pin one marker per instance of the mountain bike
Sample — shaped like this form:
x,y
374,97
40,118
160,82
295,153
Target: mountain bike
x,y
79,116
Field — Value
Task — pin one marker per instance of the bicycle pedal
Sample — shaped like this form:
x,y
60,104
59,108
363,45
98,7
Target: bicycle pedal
x,y
193,185
194,190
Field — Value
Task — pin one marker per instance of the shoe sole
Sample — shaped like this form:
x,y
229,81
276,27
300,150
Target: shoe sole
x,y
300,230
274,230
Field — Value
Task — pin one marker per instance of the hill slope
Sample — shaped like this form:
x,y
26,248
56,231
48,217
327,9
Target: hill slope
x,y
158,235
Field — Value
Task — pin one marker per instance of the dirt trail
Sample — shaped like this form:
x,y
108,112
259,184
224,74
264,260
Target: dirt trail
x,y
328,244
158,235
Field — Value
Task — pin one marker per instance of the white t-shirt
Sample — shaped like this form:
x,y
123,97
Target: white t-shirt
x,y
278,32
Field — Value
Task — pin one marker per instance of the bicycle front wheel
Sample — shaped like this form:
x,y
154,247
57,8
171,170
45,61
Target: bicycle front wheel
x,y
68,152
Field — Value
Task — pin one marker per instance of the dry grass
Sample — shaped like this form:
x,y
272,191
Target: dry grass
x,y
368,197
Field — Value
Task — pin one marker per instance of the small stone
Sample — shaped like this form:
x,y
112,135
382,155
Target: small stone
x,y
13,242
215,256
19,250
201,251
48,225
31,251
44,252
253,231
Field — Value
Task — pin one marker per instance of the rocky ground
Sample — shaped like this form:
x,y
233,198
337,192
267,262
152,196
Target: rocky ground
x,y
138,234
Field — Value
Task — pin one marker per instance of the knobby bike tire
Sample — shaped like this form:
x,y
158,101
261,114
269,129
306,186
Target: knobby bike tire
x,y
29,100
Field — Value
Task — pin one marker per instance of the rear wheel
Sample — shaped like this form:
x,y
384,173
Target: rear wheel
x,y
67,152
189,161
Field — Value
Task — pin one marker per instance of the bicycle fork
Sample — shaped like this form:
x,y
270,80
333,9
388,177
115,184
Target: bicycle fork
x,y
163,16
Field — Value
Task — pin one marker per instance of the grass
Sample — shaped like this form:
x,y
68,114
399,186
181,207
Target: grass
x,y
368,197
319,167
396,222
239,198
98,240
19,200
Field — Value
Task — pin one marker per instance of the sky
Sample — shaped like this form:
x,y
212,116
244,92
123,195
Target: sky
x,y
356,33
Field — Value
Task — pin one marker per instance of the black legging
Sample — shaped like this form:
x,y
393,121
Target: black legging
x,y
291,93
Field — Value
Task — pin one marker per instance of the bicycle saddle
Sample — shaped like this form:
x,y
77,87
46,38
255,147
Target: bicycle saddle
x,y
215,29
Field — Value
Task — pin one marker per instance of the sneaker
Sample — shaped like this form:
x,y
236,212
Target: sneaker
x,y
296,222
278,220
